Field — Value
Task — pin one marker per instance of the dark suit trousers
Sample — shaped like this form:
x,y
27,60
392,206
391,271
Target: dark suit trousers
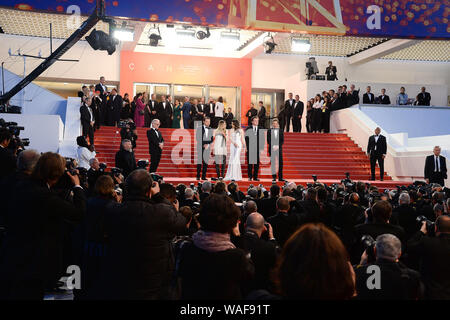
x,y
288,122
373,160
273,159
437,177
297,124
154,160
221,161
252,168
203,167
88,131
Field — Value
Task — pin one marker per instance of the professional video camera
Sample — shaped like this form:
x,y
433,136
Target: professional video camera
x,y
429,224
127,124
16,143
369,246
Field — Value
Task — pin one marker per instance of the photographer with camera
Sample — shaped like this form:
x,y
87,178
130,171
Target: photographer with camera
x,y
405,215
191,199
262,252
396,281
139,262
433,255
32,251
128,132
95,171
125,159
7,158
381,212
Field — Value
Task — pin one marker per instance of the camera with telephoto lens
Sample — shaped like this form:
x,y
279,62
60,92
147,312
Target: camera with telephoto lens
x,y
429,224
126,124
102,167
116,172
143,164
157,178
70,166
369,246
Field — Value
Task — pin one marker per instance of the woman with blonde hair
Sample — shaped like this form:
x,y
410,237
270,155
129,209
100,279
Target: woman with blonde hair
x,y
220,148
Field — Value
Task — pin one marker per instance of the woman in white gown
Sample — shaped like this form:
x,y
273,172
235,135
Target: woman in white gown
x,y
220,148
234,171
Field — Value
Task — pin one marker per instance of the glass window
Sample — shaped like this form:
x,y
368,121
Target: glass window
x,y
229,96
192,92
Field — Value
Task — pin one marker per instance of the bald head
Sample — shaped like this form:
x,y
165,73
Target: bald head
x,y
26,161
443,224
250,206
255,221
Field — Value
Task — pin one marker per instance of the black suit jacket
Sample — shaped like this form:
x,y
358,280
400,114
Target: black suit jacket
x,y
154,141
164,113
384,99
250,114
381,146
280,143
8,162
115,105
331,75
86,116
430,164
288,109
298,109
423,99
368,99
126,161
434,254
99,87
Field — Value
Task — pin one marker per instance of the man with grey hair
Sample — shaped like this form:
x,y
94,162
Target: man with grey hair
x,y
262,252
26,161
155,145
438,210
405,215
436,167
190,199
206,190
387,278
125,159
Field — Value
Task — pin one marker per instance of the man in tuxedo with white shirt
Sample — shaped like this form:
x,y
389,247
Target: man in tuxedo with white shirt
x,y
298,114
114,106
288,111
155,145
205,141
384,99
87,119
275,141
150,111
436,167
252,141
376,149
164,112
102,89
368,97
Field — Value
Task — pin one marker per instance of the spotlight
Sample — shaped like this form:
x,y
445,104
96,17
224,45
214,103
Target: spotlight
x,y
300,45
155,38
99,40
230,40
202,34
269,45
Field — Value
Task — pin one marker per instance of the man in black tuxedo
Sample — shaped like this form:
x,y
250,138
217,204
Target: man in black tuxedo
x,y
228,117
288,111
298,114
331,71
164,113
368,97
102,90
210,107
377,149
436,167
275,141
423,98
201,110
114,106
252,112
87,119
155,145
125,158
262,115
205,141
7,158
352,96
384,99
150,111
252,137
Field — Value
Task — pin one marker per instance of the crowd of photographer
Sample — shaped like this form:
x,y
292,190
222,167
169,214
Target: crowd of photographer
x,y
135,237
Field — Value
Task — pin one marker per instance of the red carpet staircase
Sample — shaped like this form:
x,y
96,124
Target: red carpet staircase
x,y
329,156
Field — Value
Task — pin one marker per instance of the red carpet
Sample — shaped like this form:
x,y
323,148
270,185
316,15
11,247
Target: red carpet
x,y
329,156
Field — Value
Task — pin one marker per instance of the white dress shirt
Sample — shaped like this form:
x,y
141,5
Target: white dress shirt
x,y
219,110
84,155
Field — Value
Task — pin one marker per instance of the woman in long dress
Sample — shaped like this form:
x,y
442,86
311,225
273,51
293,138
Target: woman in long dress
x,y
139,112
176,115
234,171
220,148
